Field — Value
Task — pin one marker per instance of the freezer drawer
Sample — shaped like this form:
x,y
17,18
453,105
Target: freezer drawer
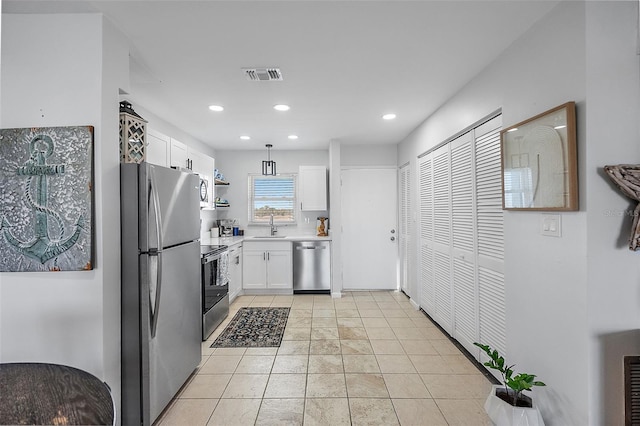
x,y
311,267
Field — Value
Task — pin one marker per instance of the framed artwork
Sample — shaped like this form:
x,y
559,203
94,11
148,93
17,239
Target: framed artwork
x,y
46,199
539,162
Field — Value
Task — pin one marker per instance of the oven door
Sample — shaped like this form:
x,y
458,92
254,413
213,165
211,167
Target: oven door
x,y
215,292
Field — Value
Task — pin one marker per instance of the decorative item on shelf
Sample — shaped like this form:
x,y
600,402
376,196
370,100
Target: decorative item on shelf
x,y
221,202
219,178
268,166
322,227
133,135
507,405
627,178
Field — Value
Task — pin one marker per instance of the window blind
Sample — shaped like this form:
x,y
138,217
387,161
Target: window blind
x,y
272,195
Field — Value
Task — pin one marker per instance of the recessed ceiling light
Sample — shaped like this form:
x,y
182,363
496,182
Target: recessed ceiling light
x,y
216,108
293,137
245,137
562,126
388,116
281,107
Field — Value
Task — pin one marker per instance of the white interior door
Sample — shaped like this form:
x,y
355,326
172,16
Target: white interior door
x,y
369,229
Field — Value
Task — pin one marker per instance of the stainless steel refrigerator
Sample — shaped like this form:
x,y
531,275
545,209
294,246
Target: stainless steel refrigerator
x,y
161,314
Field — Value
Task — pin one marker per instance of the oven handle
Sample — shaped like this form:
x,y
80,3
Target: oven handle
x,y
210,258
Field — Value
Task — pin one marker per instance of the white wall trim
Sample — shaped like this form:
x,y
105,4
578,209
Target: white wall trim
x,y
415,305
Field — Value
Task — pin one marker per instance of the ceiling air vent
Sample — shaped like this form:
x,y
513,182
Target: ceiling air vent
x,y
262,74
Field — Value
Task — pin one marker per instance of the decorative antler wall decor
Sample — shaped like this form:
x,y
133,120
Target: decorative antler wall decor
x,y
627,178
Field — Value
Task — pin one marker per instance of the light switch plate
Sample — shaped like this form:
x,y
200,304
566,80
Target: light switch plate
x,y
551,225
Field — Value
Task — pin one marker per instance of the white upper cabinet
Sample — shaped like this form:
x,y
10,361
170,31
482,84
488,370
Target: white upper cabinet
x,y
158,148
179,154
169,152
313,188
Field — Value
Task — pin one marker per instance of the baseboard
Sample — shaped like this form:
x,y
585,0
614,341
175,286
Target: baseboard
x,y
414,304
336,295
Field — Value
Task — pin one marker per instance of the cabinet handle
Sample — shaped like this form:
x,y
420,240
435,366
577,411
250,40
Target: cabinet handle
x,y
264,256
268,256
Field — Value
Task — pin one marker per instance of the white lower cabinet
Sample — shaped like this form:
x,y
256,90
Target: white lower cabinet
x,y
235,272
267,266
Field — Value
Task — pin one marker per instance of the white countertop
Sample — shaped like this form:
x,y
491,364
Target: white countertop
x,y
231,241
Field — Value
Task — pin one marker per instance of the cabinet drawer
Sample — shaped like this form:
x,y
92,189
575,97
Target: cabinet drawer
x,y
267,245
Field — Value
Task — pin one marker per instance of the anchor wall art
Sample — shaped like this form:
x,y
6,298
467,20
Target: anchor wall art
x,y
46,212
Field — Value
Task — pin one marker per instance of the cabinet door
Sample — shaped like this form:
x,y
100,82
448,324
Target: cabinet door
x,y
157,151
179,154
199,162
313,188
254,274
235,273
279,269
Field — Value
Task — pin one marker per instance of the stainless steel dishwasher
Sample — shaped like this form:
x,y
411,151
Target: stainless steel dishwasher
x,y
312,267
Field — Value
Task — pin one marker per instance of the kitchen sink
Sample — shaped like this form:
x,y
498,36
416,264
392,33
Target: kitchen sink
x,y
269,236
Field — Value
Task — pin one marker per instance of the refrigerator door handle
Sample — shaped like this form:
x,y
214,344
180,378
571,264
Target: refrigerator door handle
x,y
154,299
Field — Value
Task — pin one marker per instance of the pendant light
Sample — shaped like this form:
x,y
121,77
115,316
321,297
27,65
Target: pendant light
x,y
268,166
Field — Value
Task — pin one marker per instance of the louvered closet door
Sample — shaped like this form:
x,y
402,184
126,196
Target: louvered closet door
x,y
443,312
465,323
490,239
405,224
427,279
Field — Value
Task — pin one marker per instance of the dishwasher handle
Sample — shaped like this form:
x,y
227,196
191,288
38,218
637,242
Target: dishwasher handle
x,y
310,247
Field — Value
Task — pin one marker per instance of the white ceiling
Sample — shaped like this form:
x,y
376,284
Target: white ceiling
x,y
345,63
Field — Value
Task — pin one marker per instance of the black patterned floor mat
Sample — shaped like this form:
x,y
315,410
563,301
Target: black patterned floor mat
x,y
254,328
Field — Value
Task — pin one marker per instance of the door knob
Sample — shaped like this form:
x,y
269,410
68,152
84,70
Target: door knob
x,y
393,231
393,238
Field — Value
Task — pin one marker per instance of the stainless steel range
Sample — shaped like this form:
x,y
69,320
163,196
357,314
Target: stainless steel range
x,y
215,287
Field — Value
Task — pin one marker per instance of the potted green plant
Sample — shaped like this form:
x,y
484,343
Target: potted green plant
x,y
508,405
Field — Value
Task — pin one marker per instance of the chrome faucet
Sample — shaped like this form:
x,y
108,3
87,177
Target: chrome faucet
x,y
274,228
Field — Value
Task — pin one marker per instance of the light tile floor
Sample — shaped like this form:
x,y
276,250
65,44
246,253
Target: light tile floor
x,y
368,358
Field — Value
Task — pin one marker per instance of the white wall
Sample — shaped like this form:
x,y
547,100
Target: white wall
x,y
612,137
335,204
368,156
52,77
572,302
236,165
545,277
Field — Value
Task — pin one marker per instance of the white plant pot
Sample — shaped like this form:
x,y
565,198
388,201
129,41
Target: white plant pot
x,y
504,414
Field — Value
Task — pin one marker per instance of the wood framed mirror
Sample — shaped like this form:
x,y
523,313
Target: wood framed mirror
x,y
539,162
